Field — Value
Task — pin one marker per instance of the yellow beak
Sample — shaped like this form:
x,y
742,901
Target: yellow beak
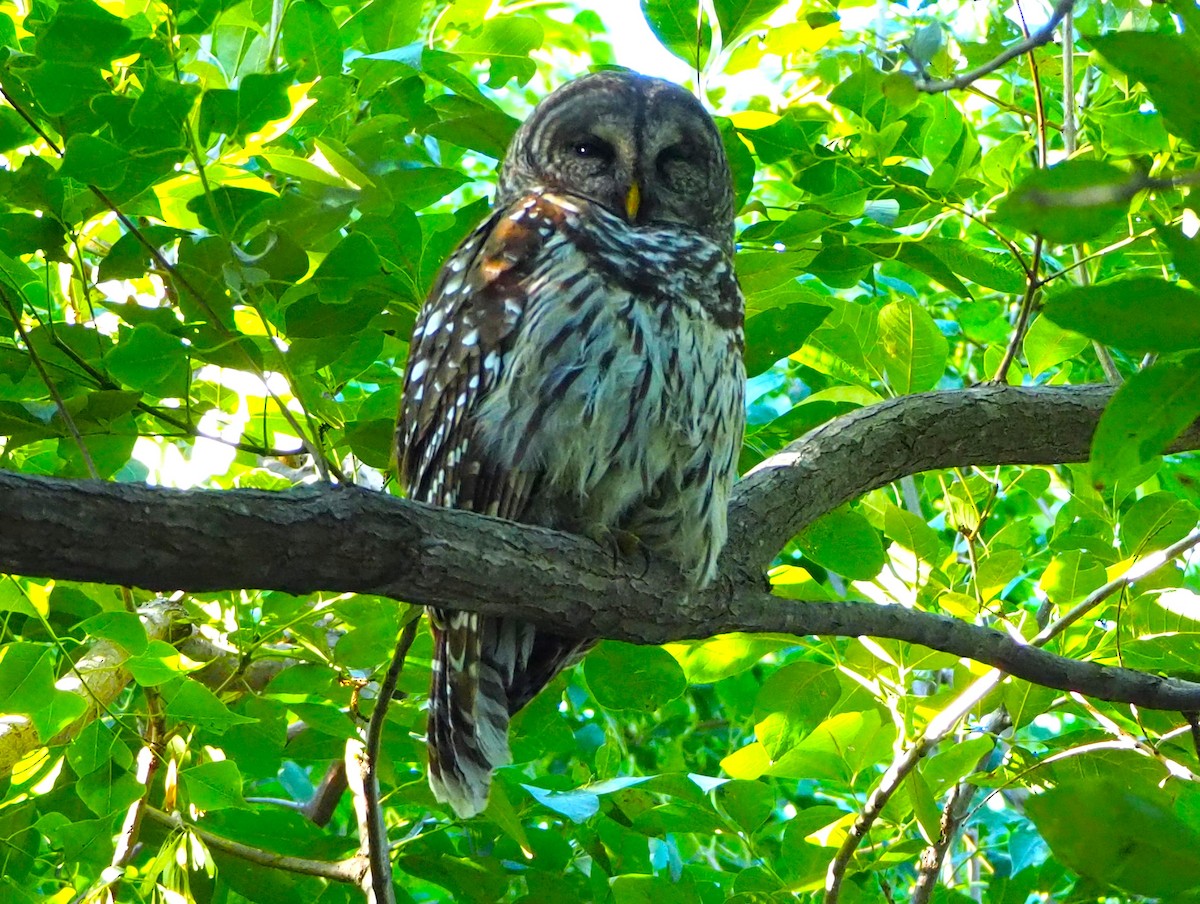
x,y
633,201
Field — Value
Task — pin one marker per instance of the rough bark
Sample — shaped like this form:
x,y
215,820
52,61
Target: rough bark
x,y
345,539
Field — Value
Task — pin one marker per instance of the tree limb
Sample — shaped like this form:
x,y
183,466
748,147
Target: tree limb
x,y
346,539
1043,35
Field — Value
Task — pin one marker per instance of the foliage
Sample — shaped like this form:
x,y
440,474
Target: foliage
x,y
217,221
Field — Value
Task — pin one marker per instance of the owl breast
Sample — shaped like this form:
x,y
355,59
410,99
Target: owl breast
x,y
622,398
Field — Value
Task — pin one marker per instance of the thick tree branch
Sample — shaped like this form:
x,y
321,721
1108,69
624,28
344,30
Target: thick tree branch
x,y
869,448
350,540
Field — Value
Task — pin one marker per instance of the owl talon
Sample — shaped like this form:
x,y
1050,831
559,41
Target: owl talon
x,y
624,545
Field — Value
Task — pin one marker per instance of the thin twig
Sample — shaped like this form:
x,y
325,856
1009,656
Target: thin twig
x,y
1030,298
1174,767
954,815
351,870
1070,136
59,403
1043,36
377,851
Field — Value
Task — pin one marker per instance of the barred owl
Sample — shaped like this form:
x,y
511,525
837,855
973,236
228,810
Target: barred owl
x,y
577,366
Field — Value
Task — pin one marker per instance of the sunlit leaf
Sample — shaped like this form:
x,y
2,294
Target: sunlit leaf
x,y
1147,412
1139,314
1074,201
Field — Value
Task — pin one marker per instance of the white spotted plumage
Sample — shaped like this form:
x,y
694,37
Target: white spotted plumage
x,y
581,370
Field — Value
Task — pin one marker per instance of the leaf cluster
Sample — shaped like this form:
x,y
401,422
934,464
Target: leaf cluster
x,y
217,222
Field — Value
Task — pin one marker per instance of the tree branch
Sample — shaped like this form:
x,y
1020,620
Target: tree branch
x,y
1044,35
346,539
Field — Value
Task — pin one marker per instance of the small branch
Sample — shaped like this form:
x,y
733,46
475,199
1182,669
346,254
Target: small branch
x,y
954,814
1044,35
351,870
14,313
1141,745
936,731
944,722
1030,298
377,849
324,802
1024,314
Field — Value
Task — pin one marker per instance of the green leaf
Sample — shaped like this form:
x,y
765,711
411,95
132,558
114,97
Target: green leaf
x,y
108,790
777,332
123,628
1047,344
581,804
128,257
1141,314
916,351
838,747
954,762
158,664
26,233
623,676
1130,841
845,543
1148,411
14,131
1167,65
480,129
26,678
164,108
925,808
421,186
794,701
1074,201
390,23
191,702
505,43
258,100
708,661
681,28
1185,252
81,32
736,17
150,360
95,746
352,262
749,804
214,786
912,532
1071,576
62,87
996,571
310,40
94,161
1155,522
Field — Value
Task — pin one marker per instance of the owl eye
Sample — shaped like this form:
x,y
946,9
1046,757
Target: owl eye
x,y
671,155
593,148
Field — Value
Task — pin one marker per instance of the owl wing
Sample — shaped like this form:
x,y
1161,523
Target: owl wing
x,y
455,358
482,667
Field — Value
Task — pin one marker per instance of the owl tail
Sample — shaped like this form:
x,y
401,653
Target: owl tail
x,y
468,713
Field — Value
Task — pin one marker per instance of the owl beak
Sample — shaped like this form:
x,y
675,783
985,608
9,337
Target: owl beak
x,y
633,201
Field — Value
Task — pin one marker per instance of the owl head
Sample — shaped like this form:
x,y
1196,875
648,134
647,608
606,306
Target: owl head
x,y
643,148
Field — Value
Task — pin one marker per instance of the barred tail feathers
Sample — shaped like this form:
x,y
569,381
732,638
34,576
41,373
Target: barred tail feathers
x,y
468,714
